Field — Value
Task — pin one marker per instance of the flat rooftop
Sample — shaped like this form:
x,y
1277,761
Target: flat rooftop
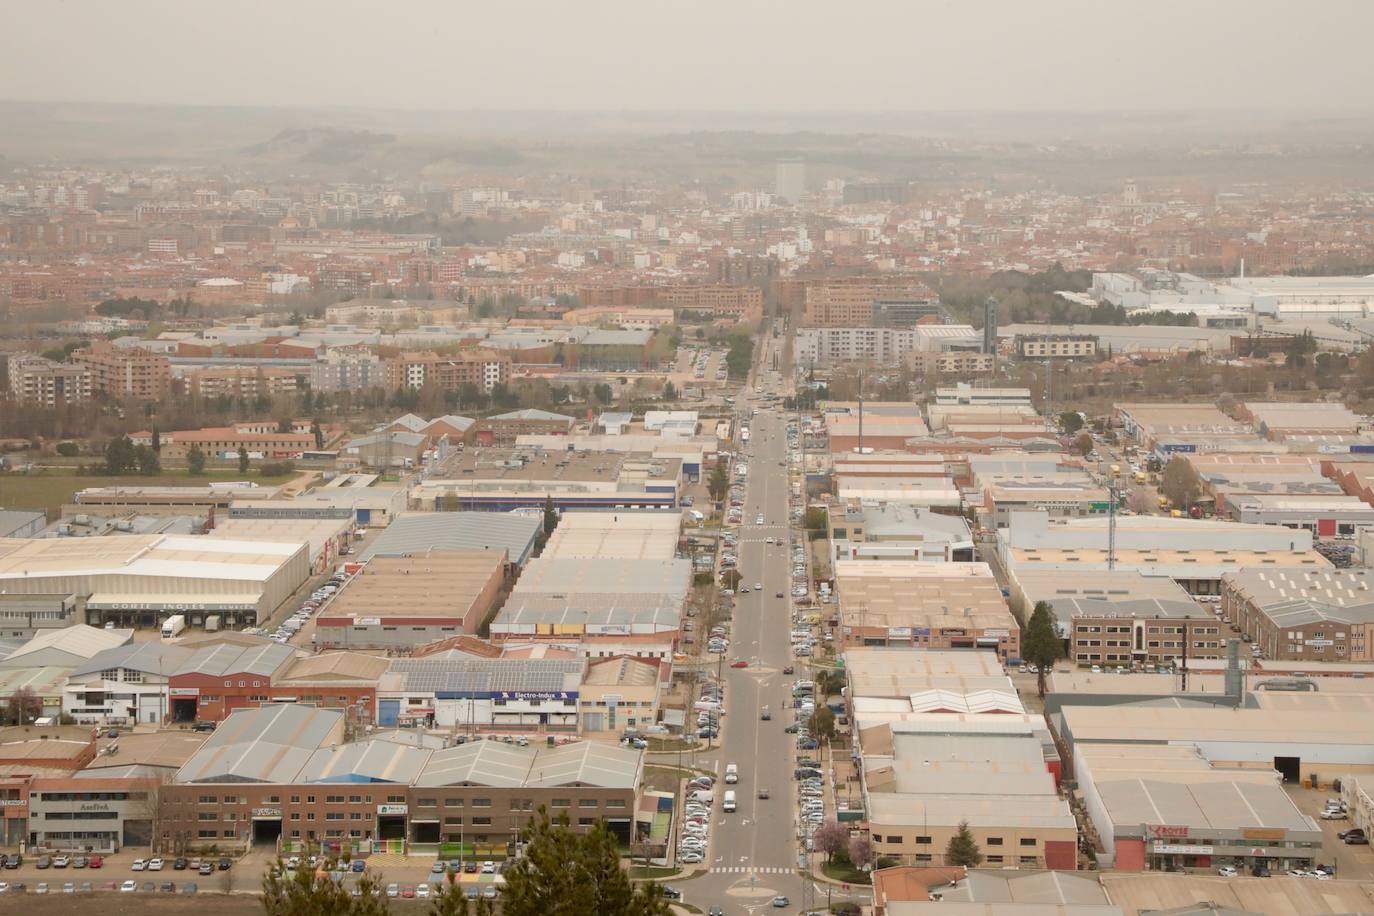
x,y
900,593
898,673
420,533
172,556
982,810
527,465
442,583
1214,725
643,535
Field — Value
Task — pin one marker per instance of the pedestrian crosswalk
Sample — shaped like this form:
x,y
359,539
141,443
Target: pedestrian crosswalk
x,y
749,869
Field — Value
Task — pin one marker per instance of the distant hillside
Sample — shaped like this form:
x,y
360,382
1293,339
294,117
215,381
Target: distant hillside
x,y
319,145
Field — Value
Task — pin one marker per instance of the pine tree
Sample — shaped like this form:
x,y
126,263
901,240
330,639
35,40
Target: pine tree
x,y
243,460
564,874
1040,644
195,460
962,849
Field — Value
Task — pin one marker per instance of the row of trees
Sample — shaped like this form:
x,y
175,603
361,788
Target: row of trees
x,y
833,840
561,873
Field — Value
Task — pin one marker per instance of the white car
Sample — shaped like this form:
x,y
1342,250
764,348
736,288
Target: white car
x,y
422,891
128,887
138,865
154,865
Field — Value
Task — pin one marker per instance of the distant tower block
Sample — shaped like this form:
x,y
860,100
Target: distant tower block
x,y
990,325
1130,195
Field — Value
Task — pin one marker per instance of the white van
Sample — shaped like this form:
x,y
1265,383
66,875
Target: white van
x,y
731,773
729,804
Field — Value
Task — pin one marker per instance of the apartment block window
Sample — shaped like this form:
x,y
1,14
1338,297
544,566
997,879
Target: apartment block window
x,y
920,840
481,803
1027,841
585,821
994,860
560,803
586,803
481,822
994,841
453,803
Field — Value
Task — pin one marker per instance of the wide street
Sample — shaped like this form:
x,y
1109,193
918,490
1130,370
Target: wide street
x,y
755,851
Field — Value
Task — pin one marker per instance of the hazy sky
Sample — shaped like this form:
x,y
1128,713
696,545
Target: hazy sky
x,y
665,55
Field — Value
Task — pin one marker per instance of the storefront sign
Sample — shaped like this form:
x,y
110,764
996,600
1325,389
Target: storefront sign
x,y
1168,849
1319,642
367,621
1265,833
952,631
899,632
1000,634
93,806
266,812
167,606
185,691
13,802
385,810
1165,830
920,631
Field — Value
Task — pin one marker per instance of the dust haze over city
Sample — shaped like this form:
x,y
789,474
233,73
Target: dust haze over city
x,y
880,459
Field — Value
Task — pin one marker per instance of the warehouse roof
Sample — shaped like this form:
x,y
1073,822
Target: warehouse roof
x,y
1172,724
573,575
335,666
369,761
270,743
532,413
218,661
492,763
176,556
418,533
441,583
990,810
590,609
463,675
1201,807
902,593
163,749
615,535
149,657
78,643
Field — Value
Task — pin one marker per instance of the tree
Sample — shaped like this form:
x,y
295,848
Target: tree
x,y
68,449
1040,644
669,391
550,515
814,519
305,893
962,849
718,484
119,455
822,723
1139,501
157,440
740,356
284,425
603,393
24,707
861,851
1180,482
317,432
731,578
451,900
829,682
1085,444
243,460
830,838
564,874
147,460
1070,421
195,460
449,502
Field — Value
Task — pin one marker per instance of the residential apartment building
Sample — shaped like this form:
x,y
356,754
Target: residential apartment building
x,y
1054,346
850,301
126,372
479,366
953,362
35,380
347,369
243,383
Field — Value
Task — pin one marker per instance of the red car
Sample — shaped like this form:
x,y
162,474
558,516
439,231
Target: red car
x,y
788,669
739,664
408,891
95,862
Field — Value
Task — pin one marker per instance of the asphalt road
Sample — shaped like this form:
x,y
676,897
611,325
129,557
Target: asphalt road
x,y
754,852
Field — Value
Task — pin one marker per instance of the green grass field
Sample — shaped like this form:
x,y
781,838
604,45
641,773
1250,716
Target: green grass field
x,y
49,489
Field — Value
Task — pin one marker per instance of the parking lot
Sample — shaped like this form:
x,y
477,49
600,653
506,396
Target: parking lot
x,y
1355,862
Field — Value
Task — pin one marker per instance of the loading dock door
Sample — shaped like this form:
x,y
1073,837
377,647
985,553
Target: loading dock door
x,y
1290,768
388,711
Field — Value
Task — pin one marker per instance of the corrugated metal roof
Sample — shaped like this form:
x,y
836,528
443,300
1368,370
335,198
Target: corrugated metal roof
x,y
479,675
271,743
149,657
365,761
217,661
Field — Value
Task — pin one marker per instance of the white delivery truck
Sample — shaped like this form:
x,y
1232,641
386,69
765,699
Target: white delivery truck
x,y
729,804
173,626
